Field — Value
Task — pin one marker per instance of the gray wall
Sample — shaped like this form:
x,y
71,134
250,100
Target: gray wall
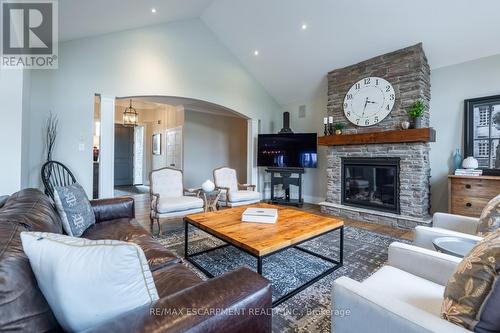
x,y
449,87
177,59
314,181
11,139
210,142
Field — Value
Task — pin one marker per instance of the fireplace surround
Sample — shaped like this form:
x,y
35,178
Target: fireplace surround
x,y
409,73
371,183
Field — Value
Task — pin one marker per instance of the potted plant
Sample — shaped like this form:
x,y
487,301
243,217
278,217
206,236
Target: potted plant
x,y
415,112
338,128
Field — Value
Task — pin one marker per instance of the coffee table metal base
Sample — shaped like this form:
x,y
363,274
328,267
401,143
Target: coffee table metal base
x,y
337,264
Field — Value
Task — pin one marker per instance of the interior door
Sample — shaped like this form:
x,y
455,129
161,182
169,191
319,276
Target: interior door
x,y
174,147
138,154
124,155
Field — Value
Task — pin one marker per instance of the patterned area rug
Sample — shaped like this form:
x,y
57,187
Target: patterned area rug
x,y
308,311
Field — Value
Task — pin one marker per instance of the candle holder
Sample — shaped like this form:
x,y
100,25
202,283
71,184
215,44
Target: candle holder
x,y
330,129
326,129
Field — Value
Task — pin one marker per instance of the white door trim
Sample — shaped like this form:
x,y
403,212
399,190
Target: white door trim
x,y
107,148
252,136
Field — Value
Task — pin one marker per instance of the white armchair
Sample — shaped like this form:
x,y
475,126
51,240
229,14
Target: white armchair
x,y
403,296
443,225
169,198
233,193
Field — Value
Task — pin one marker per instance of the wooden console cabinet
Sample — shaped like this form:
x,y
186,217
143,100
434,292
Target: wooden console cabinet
x,y
468,195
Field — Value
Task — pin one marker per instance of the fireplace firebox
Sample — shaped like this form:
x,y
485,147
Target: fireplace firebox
x,y
371,183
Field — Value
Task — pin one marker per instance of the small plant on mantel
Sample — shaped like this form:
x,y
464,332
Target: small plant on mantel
x,y
338,128
415,112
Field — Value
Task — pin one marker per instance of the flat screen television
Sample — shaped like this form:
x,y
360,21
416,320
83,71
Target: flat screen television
x,y
287,150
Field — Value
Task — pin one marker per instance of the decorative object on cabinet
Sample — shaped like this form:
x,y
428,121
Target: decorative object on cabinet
x,y
415,112
469,195
457,159
95,153
470,163
157,144
482,132
405,124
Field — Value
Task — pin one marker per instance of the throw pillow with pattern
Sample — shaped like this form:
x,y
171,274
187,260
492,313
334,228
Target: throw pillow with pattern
x,y
472,295
74,209
490,217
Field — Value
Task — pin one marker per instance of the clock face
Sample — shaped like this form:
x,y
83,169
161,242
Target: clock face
x,y
369,101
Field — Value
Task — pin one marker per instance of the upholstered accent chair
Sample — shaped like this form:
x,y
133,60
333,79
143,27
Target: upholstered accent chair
x,y
444,225
233,193
473,228
405,295
169,198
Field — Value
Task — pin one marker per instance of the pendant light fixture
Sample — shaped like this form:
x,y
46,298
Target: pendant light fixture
x,y
130,116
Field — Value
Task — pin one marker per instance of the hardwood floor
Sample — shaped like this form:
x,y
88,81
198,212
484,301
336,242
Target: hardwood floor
x,y
142,205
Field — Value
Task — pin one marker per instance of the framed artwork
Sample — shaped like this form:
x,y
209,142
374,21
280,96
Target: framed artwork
x,y
156,144
482,132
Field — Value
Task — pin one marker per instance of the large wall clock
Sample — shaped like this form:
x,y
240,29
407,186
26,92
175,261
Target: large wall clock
x,y
369,101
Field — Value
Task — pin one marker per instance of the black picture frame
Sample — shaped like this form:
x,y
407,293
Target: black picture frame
x,y
469,129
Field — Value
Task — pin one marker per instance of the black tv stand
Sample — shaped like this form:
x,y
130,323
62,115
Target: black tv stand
x,y
283,176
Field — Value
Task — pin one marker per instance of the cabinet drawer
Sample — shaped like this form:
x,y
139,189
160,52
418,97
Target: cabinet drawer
x,y
477,188
468,206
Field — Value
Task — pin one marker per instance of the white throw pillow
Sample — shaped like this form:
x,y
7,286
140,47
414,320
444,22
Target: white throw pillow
x,y
87,282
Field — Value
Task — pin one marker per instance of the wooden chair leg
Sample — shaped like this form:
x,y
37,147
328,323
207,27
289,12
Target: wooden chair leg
x,y
159,228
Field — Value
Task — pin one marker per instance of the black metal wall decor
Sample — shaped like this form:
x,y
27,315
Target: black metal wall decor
x,y
482,132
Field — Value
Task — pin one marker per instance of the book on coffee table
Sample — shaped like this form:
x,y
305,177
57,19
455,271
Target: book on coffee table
x,y
260,215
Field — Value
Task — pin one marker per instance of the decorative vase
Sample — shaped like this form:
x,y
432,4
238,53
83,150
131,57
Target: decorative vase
x,y
457,159
470,163
405,125
95,153
338,132
208,186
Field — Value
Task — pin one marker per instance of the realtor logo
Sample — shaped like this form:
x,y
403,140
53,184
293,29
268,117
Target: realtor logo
x,y
29,34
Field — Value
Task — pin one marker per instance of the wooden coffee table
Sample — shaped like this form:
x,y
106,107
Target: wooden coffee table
x,y
262,240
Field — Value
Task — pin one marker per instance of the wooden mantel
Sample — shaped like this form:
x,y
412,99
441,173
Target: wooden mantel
x,y
398,136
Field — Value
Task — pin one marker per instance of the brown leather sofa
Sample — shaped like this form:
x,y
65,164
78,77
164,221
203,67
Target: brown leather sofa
x,y
239,301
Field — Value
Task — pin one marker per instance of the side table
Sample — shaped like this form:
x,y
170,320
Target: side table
x,y
456,246
211,199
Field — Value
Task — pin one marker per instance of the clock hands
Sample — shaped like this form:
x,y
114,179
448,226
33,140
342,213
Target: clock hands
x,y
367,101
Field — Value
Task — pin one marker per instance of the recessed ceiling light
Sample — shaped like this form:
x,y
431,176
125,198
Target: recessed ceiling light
x,y
153,10
256,52
304,26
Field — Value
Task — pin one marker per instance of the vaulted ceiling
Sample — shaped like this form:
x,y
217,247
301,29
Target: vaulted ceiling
x,y
292,62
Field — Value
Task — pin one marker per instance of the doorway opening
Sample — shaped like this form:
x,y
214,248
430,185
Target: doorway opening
x,y
187,134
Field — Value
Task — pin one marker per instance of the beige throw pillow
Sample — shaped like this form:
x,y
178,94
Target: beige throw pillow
x,y
472,295
490,217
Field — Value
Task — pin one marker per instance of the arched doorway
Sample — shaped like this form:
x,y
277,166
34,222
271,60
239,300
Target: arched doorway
x,y
189,134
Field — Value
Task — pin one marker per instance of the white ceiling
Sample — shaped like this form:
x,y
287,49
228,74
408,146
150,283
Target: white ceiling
x,y
292,63
84,18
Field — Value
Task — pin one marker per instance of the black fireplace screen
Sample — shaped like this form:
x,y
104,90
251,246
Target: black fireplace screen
x,y
371,183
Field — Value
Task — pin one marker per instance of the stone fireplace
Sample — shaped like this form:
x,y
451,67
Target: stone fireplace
x,y
381,182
